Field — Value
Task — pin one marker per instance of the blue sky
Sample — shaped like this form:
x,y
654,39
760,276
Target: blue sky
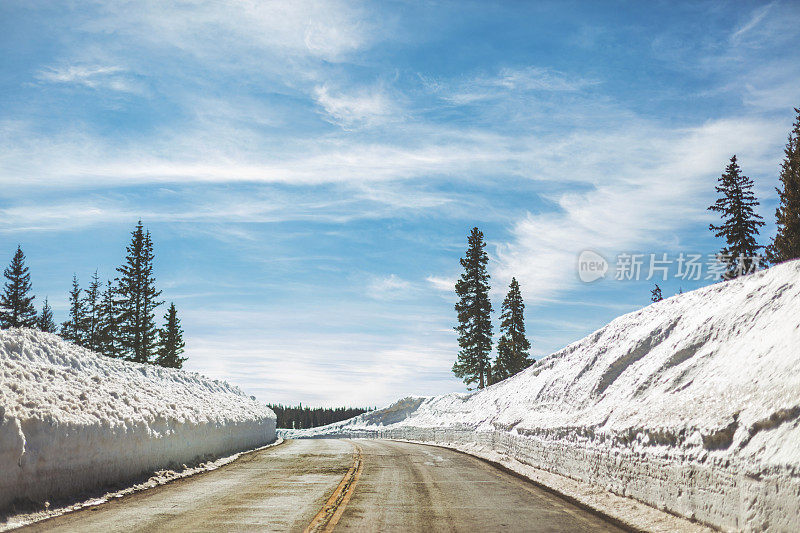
x,y
310,170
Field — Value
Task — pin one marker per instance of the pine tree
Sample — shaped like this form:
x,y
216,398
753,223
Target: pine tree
x,y
740,221
149,300
513,346
138,298
108,328
45,321
655,294
74,328
171,343
786,245
474,314
91,305
16,302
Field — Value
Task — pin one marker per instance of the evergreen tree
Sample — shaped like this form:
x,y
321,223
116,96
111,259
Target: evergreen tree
x,y
74,328
786,244
474,314
138,298
108,329
91,305
740,221
513,346
45,321
16,302
171,344
149,299
655,294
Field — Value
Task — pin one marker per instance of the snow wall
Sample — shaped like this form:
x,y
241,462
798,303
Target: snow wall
x,y
73,420
691,405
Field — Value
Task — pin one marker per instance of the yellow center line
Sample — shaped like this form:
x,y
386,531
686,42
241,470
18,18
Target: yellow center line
x,y
332,511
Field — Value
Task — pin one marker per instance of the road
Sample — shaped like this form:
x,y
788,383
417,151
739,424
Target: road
x,y
326,485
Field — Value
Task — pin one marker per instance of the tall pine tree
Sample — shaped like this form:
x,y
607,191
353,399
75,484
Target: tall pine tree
x,y
108,324
740,222
170,346
45,321
16,302
138,299
474,314
74,328
513,346
91,303
786,244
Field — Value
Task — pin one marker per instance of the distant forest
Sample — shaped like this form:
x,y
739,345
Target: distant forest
x,y
299,417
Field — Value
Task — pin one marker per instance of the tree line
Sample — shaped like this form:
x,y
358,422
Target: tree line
x,y
115,318
299,417
740,223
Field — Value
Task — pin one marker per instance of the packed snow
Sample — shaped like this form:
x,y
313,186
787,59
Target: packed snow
x,y
72,420
691,405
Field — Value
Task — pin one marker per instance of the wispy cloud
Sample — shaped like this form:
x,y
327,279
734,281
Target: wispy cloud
x,y
441,283
114,78
329,30
755,19
505,82
642,206
364,107
390,287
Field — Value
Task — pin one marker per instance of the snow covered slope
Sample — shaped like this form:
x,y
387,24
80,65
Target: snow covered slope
x,y
691,405
72,420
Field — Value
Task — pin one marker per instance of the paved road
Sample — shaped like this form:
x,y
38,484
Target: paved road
x,y
322,485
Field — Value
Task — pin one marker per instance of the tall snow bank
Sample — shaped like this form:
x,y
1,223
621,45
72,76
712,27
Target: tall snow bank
x,y
691,405
72,420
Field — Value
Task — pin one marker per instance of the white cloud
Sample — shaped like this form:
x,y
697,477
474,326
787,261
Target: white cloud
x,y
365,107
666,188
80,159
328,29
441,283
113,78
754,20
390,287
507,81
354,370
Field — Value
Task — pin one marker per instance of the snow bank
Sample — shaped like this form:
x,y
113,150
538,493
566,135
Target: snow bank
x,y
72,420
691,405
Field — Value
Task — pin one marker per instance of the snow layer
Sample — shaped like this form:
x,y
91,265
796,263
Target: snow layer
x,y
72,420
691,405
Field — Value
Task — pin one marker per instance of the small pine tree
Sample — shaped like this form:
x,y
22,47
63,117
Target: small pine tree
x,y
513,346
45,321
474,314
138,299
655,294
740,221
16,302
786,245
74,328
91,304
171,344
108,324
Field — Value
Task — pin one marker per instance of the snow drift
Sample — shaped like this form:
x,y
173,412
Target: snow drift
x,y
691,405
72,420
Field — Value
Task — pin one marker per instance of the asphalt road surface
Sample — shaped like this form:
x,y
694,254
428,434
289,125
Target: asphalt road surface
x,y
341,485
